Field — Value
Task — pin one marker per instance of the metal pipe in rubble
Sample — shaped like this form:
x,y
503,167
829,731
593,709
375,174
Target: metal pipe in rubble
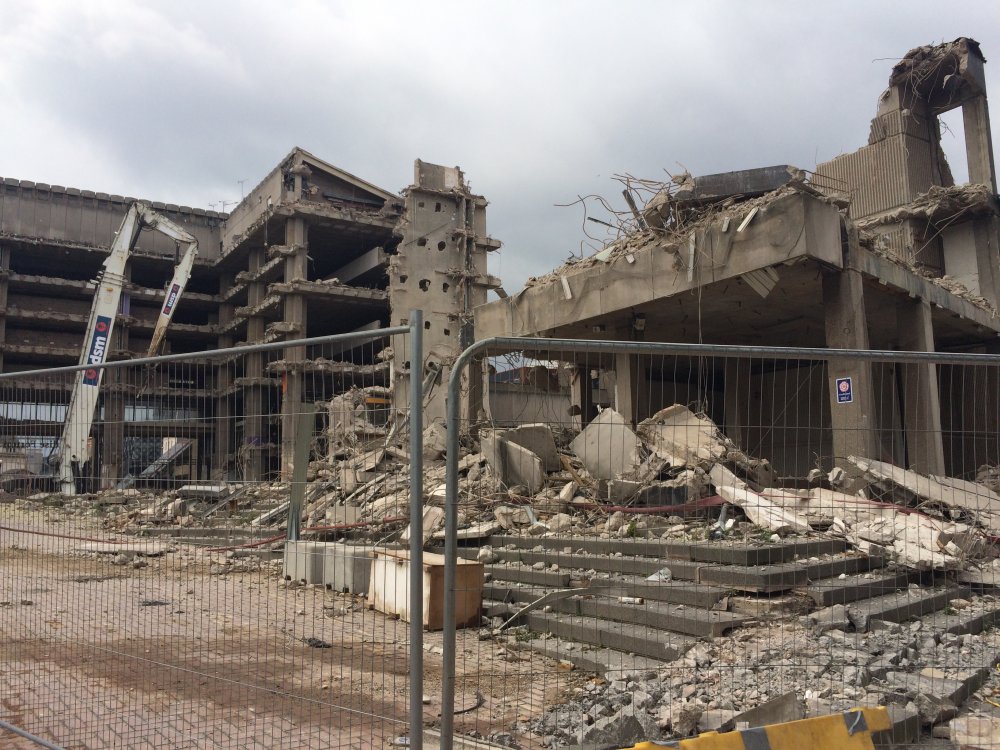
x,y
416,530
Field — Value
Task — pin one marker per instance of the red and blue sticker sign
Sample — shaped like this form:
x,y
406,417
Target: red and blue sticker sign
x,y
97,351
845,391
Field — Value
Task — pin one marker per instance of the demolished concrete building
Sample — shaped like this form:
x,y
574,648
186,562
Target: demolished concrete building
x,y
899,256
312,250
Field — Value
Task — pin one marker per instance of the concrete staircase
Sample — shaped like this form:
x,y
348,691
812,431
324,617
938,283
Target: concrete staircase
x,y
620,621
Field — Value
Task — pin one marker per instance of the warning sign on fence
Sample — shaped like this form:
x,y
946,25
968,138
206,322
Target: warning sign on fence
x,y
845,391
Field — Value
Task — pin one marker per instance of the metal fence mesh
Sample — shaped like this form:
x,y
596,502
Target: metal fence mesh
x,y
159,606
683,540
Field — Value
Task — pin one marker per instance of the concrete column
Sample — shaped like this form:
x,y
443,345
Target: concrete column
x,y
221,439
979,142
581,393
625,387
4,280
296,269
734,406
985,230
847,328
253,397
921,400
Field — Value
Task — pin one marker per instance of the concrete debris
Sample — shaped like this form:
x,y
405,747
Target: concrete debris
x,y
608,447
513,463
981,504
975,732
759,509
682,437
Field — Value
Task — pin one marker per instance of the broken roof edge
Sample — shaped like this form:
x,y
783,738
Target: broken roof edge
x,y
342,174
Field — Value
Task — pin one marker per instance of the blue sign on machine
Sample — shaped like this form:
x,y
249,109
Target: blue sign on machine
x,y
97,351
845,391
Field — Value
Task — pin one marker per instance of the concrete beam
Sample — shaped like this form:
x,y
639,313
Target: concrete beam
x,y
369,261
793,227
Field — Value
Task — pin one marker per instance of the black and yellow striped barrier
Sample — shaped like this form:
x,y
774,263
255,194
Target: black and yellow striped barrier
x,y
851,730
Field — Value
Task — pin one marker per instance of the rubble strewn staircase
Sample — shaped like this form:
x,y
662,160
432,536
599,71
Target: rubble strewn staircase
x,y
621,621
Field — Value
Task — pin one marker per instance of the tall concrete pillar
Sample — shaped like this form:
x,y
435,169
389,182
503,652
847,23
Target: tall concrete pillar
x,y
979,142
221,440
254,433
852,413
921,400
985,230
296,269
581,396
625,386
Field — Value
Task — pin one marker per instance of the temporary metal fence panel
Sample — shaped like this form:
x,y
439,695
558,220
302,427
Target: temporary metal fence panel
x,y
682,538
169,599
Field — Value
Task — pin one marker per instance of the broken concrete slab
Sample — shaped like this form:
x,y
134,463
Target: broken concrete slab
x,y
608,447
975,732
977,499
758,508
787,707
205,491
432,519
680,436
512,463
538,439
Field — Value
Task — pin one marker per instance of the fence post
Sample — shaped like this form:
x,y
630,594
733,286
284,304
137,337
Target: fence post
x,y
416,531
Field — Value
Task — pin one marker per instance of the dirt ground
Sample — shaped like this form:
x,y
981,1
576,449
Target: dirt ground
x,y
191,649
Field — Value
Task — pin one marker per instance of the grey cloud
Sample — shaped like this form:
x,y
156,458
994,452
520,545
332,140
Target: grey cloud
x,y
537,102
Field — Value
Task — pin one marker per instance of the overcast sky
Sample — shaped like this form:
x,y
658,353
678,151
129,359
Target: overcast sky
x,y
537,101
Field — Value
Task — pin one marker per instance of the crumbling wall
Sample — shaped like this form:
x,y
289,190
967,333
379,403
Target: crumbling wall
x,y
440,268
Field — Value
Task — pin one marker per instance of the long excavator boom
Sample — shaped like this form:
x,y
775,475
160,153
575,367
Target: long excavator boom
x,y
86,389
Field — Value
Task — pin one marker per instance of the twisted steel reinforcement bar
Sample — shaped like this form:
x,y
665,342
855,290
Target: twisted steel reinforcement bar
x,y
499,345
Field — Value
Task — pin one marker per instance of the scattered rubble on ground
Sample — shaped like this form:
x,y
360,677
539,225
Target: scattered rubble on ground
x,y
675,477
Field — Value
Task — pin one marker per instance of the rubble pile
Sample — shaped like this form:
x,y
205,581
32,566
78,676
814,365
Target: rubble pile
x,y
669,220
813,667
607,480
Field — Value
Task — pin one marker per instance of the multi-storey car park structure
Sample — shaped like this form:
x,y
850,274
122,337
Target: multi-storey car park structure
x,y
876,248
310,251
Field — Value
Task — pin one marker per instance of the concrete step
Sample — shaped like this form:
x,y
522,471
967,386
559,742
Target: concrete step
x,y
634,639
606,662
724,552
962,622
955,685
763,579
643,566
674,617
830,591
674,592
848,564
903,605
525,574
